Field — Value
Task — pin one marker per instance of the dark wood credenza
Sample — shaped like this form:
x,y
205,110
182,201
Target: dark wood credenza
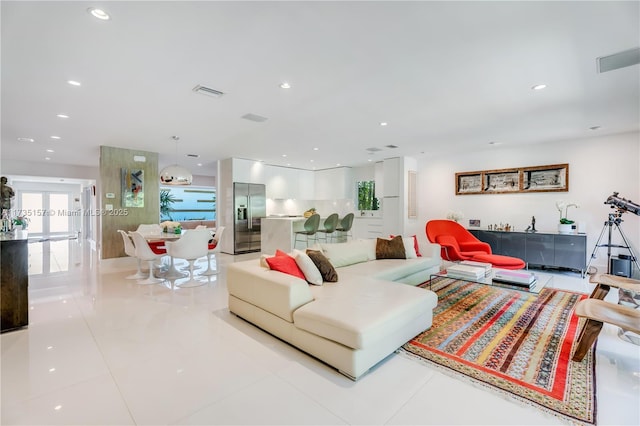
x,y
553,250
14,295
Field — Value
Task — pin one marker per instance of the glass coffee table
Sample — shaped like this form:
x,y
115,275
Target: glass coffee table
x,y
541,280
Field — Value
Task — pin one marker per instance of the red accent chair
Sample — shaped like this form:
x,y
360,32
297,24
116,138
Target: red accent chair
x,y
456,242
459,244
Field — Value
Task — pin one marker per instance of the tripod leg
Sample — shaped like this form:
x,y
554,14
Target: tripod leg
x,y
593,254
634,258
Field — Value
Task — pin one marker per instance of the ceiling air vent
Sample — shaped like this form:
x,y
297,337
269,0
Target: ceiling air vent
x,y
391,146
203,90
374,149
254,117
618,60
193,155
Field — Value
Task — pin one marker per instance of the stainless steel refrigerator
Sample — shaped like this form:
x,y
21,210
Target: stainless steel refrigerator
x,y
249,208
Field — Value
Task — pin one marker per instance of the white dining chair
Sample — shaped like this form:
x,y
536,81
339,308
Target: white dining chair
x,y
214,248
191,246
130,251
144,252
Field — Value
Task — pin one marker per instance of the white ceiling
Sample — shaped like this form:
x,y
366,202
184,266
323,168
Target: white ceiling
x,y
446,76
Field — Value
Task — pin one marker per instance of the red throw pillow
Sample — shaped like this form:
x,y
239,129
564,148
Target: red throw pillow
x,y
212,245
282,262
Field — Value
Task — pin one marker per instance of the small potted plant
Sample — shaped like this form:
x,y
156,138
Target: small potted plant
x,y
310,212
21,222
566,225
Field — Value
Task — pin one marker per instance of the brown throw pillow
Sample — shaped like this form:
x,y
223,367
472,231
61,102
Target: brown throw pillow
x,y
325,267
390,249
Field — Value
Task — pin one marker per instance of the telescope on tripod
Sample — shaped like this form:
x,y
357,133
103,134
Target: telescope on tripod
x,y
621,205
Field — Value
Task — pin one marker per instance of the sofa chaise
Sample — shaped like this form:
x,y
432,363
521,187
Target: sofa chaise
x,y
351,324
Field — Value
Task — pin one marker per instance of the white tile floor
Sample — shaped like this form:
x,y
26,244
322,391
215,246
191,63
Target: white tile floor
x,y
101,349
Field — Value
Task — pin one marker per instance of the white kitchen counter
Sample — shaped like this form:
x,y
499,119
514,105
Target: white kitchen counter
x,y
279,233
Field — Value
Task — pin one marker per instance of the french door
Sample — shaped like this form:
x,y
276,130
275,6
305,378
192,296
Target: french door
x,y
49,212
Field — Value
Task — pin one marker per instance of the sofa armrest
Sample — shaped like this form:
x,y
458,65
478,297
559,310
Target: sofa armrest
x,y
430,250
275,292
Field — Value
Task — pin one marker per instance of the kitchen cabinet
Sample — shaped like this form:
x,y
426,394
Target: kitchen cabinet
x,y
379,179
543,249
288,183
392,179
368,227
334,184
15,281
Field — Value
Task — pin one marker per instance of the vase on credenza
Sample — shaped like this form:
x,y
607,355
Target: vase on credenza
x,y
565,228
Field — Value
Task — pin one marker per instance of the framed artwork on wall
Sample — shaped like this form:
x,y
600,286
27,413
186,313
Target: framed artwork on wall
x,y
545,178
132,187
551,178
469,183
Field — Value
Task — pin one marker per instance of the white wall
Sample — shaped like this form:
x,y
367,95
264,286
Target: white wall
x,y
597,167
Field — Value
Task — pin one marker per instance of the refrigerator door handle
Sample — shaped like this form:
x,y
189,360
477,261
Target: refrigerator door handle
x,y
249,218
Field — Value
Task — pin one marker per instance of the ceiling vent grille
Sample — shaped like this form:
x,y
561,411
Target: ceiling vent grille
x,y
374,149
203,90
254,117
619,60
391,146
193,155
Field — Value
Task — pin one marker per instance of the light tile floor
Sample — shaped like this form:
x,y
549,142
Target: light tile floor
x,y
101,349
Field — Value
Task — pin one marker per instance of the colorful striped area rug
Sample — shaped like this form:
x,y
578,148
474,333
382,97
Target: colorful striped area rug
x,y
517,343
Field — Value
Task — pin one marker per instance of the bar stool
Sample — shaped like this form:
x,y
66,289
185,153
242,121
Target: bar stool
x,y
330,224
345,226
310,228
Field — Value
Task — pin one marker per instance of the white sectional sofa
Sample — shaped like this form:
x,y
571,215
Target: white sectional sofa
x,y
351,324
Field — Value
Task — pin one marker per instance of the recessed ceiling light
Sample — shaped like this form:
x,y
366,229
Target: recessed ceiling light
x,y
47,158
74,83
539,87
384,123
50,150
284,155
288,164
315,149
62,116
199,164
26,140
285,85
595,127
369,160
99,13
311,161
338,164
55,137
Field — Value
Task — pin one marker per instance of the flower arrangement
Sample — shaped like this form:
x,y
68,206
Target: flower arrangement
x,y
561,205
456,216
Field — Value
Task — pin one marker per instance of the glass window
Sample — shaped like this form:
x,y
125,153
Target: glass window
x,y
366,195
187,203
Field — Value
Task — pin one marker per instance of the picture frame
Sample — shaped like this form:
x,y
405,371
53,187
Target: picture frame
x,y
496,181
548,178
469,183
132,187
552,178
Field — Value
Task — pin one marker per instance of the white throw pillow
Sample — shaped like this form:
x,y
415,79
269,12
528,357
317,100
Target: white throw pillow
x,y
309,269
263,260
344,254
409,248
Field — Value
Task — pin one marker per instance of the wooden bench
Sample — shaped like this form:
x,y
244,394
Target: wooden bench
x,y
597,312
604,282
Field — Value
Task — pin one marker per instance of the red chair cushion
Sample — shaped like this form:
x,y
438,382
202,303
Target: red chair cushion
x,y
499,261
448,240
157,247
212,245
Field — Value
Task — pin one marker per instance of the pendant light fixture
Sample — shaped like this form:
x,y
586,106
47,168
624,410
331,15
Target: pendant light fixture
x,y
175,174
